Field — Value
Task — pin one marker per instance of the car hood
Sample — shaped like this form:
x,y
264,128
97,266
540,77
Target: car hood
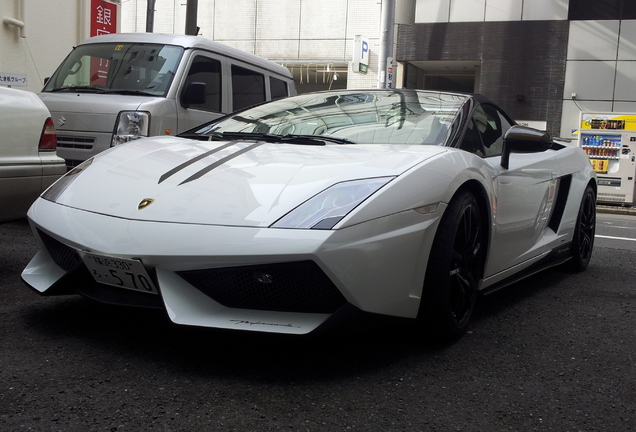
x,y
231,183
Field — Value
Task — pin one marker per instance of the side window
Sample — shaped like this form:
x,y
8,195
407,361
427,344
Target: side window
x,y
492,126
278,88
208,71
248,87
472,141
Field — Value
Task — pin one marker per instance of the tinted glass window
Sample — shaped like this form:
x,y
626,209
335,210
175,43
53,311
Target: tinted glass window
x,y
207,71
472,141
278,88
248,87
492,127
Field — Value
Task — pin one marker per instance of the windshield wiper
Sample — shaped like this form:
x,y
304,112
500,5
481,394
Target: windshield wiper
x,y
323,138
271,138
129,92
79,89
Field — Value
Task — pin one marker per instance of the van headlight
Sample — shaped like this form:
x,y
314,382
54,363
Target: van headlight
x,y
131,125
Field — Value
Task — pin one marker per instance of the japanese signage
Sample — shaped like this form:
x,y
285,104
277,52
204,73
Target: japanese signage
x,y
389,72
609,121
103,21
11,79
103,17
360,54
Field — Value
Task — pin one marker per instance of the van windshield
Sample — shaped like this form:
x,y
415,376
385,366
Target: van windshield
x,y
117,68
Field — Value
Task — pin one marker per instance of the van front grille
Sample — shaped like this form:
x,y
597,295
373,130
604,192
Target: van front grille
x,y
75,142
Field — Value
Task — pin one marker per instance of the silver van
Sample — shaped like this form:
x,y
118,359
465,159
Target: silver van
x,y
119,87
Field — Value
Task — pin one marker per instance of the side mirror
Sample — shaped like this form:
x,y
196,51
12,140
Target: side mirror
x,y
194,94
520,139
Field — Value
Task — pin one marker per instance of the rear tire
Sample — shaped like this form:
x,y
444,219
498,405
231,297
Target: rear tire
x,y
583,241
454,269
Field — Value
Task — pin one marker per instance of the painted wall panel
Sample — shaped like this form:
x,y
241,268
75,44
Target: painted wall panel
x,y
432,11
593,40
625,73
503,10
590,80
467,10
534,10
627,41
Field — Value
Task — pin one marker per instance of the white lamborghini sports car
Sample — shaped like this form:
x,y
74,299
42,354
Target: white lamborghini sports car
x,y
279,217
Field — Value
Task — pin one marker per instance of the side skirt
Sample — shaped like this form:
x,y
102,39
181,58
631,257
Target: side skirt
x,y
556,257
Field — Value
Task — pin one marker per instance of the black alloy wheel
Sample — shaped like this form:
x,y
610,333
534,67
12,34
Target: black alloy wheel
x,y
454,269
583,240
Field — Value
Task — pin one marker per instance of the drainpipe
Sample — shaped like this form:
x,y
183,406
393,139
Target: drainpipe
x,y
387,22
17,23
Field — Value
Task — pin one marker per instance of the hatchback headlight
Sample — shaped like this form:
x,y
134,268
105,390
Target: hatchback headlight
x,y
325,210
131,125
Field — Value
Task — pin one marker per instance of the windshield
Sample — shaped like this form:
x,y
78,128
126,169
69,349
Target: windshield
x,y
369,117
121,68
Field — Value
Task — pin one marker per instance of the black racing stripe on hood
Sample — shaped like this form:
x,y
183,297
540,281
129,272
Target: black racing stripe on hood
x,y
187,163
219,163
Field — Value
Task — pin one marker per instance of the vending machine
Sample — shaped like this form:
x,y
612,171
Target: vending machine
x,y
609,139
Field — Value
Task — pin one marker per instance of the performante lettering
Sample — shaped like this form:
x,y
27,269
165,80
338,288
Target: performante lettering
x,y
263,323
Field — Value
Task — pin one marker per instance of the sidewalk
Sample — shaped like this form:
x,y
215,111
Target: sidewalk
x,y
615,209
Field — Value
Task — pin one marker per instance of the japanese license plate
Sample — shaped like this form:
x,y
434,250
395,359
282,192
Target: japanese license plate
x,y
119,272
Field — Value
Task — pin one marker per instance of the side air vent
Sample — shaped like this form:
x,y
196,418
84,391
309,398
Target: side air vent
x,y
559,206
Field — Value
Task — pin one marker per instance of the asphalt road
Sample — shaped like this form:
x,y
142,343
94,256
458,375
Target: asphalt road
x,y
555,352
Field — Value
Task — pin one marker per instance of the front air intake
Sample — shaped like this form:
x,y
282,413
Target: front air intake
x,y
64,256
285,287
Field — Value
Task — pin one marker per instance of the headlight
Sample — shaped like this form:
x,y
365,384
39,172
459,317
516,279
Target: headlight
x,y
326,209
57,188
131,125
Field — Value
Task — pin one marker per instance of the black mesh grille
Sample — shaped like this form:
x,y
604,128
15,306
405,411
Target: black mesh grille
x,y
288,287
65,257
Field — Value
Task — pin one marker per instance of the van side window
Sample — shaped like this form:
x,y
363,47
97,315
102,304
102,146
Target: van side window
x,y
208,71
278,88
248,87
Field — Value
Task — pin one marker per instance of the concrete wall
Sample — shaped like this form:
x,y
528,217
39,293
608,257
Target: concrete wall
x,y
51,28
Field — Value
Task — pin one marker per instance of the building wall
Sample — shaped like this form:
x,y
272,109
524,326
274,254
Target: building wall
x,y
51,29
305,35
539,51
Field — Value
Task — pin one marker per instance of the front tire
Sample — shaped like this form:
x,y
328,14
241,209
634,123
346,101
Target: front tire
x,y
583,241
454,269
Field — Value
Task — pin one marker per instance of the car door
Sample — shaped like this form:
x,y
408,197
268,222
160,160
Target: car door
x,y
524,193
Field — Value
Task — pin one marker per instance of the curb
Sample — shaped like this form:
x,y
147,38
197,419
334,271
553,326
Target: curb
x,y
619,210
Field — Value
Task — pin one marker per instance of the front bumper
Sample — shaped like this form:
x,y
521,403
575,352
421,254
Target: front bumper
x,y
377,267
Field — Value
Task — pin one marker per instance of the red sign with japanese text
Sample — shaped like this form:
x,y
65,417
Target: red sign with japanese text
x,y
103,21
